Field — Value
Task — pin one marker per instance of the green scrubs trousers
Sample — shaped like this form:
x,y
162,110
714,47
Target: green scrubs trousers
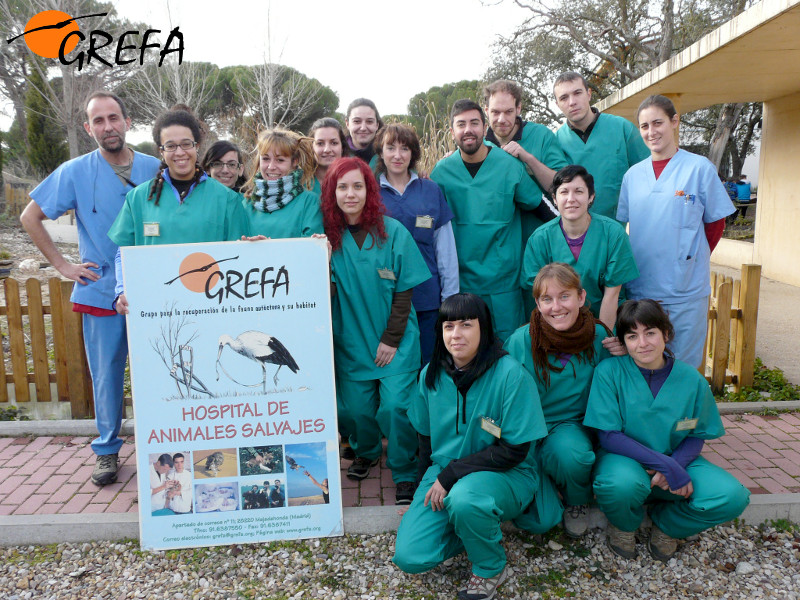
x,y
567,457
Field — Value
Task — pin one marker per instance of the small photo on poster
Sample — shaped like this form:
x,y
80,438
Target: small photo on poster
x,y
170,483
307,476
260,460
216,497
215,463
270,493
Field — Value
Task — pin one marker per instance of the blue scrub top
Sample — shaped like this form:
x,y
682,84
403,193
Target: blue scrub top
x,y
422,210
88,185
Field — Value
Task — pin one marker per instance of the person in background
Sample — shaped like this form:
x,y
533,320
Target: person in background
x,y
278,199
420,206
326,494
179,498
223,161
652,414
484,186
94,186
477,414
605,145
597,247
182,204
375,265
676,208
363,123
330,143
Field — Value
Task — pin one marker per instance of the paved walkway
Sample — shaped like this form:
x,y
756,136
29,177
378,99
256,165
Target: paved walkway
x,y
49,475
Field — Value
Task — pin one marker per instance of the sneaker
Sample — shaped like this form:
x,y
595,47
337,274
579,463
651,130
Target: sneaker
x,y
479,588
105,469
622,543
360,467
576,520
661,546
346,452
405,492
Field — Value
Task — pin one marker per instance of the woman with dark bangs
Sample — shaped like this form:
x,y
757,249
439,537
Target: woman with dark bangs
x,y
420,206
223,161
375,266
477,414
652,414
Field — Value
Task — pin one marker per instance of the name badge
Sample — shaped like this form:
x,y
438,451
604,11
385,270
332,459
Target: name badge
x,y
424,221
686,425
151,230
489,426
386,274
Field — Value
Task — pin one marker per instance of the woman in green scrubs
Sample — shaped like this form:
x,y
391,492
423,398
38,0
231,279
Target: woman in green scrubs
x,y
596,246
560,348
652,414
278,199
375,265
477,414
182,204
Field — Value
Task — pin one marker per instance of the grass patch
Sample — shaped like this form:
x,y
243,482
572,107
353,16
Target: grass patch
x,y
549,584
13,413
772,381
784,525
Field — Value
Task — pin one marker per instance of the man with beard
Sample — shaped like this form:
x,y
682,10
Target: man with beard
x,y
484,186
94,185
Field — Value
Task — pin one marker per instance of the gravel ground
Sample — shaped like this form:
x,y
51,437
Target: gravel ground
x,y
727,562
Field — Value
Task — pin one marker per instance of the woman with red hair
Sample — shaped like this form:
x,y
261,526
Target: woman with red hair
x,y
375,265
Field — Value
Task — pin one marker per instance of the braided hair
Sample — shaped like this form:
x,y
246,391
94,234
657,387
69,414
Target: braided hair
x,y
173,117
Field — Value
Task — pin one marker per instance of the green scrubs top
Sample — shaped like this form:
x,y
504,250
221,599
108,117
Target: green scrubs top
x,y
542,143
565,399
300,218
366,281
212,212
505,393
486,224
613,147
605,260
621,400
317,189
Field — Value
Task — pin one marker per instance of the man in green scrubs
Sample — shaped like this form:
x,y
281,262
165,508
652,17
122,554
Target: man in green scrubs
x,y
484,186
533,144
606,145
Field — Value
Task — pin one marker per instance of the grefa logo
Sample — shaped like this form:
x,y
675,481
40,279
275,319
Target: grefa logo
x,y
55,34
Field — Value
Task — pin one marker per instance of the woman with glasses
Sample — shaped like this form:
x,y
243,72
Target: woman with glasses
x,y
223,161
181,204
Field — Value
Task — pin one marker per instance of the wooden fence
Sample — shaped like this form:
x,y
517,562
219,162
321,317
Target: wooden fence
x,y
27,326
16,198
731,337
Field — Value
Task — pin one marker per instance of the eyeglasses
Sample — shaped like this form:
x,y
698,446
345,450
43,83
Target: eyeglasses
x,y
172,146
232,165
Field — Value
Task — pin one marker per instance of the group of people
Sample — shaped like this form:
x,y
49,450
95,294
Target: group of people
x,y
170,485
503,276
267,496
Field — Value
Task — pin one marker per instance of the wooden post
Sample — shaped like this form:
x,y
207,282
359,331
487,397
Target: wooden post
x,y
80,388
41,368
57,305
746,333
737,305
16,340
721,342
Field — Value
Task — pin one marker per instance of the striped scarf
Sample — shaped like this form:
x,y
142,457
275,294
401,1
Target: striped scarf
x,y
269,196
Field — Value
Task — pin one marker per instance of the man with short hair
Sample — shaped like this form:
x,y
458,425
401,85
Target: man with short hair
x,y
276,496
484,186
179,499
605,145
94,185
533,144
160,484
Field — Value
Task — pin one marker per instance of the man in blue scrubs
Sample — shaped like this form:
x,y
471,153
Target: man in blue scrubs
x,y
94,185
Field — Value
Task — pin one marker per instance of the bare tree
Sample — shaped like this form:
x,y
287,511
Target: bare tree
x,y
178,355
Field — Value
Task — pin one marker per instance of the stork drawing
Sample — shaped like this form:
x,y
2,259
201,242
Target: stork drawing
x,y
260,347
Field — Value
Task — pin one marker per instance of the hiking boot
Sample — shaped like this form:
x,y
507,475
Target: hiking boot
x,y
576,520
346,452
105,469
405,492
360,467
661,546
479,588
622,543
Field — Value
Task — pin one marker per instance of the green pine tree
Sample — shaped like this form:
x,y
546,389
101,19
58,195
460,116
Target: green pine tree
x,y
47,147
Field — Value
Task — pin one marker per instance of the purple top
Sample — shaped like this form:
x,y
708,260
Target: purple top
x,y
576,244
